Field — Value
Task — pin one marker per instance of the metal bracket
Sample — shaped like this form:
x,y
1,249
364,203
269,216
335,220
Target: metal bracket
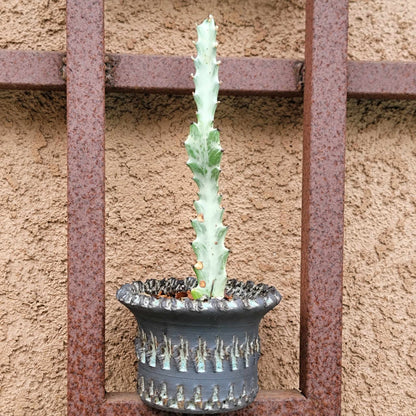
x,y
299,69
62,69
110,64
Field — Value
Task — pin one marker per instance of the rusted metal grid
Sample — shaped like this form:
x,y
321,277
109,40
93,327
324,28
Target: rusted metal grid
x,y
322,218
87,73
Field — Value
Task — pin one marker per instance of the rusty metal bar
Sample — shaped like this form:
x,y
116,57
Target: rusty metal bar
x,y
170,74
86,241
282,403
383,80
29,70
323,203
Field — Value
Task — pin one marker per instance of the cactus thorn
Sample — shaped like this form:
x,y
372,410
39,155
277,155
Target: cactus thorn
x,y
200,217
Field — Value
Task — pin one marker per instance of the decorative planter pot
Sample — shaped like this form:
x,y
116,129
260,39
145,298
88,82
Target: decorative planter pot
x,y
197,356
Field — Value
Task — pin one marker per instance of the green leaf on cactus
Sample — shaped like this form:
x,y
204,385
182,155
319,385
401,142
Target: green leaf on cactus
x,y
196,168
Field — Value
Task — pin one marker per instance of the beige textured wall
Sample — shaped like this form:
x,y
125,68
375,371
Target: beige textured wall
x,y
150,193
33,254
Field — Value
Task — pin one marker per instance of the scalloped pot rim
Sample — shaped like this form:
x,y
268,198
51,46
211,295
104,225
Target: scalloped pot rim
x,y
245,295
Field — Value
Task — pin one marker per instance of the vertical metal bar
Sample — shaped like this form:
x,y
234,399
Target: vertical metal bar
x,y
323,203
86,241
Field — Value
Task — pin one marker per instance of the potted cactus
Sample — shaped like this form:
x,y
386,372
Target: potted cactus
x,y
198,343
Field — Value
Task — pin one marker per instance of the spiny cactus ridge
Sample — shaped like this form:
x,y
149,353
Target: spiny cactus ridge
x,y
205,152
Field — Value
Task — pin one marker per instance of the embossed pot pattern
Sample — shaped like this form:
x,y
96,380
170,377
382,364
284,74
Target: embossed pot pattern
x,y
197,356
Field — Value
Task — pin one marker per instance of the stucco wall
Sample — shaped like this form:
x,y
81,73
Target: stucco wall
x,y
150,194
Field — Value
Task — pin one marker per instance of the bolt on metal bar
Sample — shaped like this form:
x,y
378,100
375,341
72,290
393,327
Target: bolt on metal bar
x,y
86,242
323,203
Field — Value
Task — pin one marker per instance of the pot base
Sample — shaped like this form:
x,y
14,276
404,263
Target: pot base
x,y
159,397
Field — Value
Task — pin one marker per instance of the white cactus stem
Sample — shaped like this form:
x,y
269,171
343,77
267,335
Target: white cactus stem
x,y
204,151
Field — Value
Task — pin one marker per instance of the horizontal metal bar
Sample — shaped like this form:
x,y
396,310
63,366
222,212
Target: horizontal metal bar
x,y
170,74
281,402
29,70
383,80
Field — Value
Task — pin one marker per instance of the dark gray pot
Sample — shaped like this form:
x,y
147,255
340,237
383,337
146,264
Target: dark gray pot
x,y
197,356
